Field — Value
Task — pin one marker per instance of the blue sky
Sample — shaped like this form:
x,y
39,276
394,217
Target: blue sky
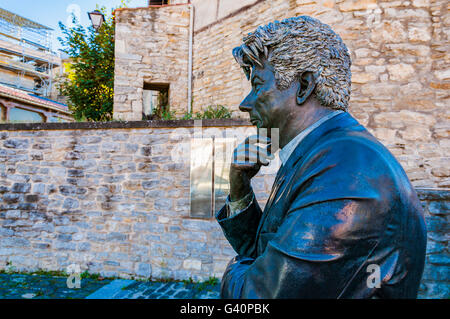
x,y
50,12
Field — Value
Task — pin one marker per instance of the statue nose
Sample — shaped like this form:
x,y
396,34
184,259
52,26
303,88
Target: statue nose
x,y
245,108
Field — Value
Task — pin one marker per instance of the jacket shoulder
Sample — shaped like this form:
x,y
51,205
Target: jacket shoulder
x,y
354,147
347,164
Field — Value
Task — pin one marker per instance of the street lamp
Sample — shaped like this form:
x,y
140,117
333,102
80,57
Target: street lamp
x,y
97,18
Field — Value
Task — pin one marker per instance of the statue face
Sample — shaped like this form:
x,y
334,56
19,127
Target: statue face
x,y
265,103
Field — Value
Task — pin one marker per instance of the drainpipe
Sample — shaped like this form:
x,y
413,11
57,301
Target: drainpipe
x,y
191,38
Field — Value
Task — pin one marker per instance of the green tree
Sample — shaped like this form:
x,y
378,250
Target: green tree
x,y
89,82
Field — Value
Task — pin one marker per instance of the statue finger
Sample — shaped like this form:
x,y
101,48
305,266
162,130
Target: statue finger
x,y
252,154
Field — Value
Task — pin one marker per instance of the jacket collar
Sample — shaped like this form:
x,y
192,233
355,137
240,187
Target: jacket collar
x,y
287,150
339,121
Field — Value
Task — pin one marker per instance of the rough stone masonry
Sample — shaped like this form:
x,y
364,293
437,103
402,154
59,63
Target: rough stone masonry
x,y
112,198
400,70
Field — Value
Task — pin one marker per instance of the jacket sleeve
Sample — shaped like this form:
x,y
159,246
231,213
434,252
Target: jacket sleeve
x,y
240,229
336,218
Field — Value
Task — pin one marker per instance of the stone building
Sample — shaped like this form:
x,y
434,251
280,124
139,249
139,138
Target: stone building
x,y
399,50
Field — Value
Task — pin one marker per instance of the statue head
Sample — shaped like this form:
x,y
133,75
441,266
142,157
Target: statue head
x,y
300,49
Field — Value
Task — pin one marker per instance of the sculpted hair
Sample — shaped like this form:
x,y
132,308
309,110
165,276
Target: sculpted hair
x,y
300,44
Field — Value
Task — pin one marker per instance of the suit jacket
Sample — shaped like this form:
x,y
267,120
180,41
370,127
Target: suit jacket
x,y
341,214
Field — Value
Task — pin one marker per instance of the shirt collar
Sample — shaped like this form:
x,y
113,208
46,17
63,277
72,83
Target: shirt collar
x,y
289,148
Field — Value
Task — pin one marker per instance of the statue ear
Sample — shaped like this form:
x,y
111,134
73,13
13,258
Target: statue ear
x,y
307,84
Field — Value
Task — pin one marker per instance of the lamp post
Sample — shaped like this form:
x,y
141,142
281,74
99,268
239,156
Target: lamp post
x,y
97,18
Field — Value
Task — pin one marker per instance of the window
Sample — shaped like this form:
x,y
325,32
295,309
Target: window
x,y
155,100
23,116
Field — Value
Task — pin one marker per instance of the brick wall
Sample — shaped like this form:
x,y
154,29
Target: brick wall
x,y
114,199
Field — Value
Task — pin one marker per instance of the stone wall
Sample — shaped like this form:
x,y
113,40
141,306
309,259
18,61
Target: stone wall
x,y
151,47
113,198
436,276
400,69
114,201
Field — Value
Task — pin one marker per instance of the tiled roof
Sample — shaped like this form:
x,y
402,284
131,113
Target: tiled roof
x,y
31,98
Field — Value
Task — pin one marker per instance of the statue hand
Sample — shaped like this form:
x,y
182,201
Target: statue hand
x,y
248,158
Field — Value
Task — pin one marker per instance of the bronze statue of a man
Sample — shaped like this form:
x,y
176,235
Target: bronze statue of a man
x,y
342,220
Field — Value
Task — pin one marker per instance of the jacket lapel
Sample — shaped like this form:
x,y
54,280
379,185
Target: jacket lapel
x,y
279,179
339,121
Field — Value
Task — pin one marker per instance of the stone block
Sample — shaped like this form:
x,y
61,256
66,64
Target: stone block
x,y
116,237
14,242
439,207
163,204
416,133
144,270
16,143
64,237
196,225
148,185
439,259
421,3
66,229
192,264
419,33
388,32
400,72
356,5
21,188
12,214
63,245
442,74
11,198
85,246
70,203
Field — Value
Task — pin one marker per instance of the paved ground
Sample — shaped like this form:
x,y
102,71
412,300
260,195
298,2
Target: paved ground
x,y
127,289
19,286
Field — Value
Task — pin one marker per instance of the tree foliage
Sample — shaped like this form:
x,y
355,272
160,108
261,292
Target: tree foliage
x,y
89,82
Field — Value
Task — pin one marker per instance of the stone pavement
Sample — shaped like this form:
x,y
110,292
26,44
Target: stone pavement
x,y
21,286
129,289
